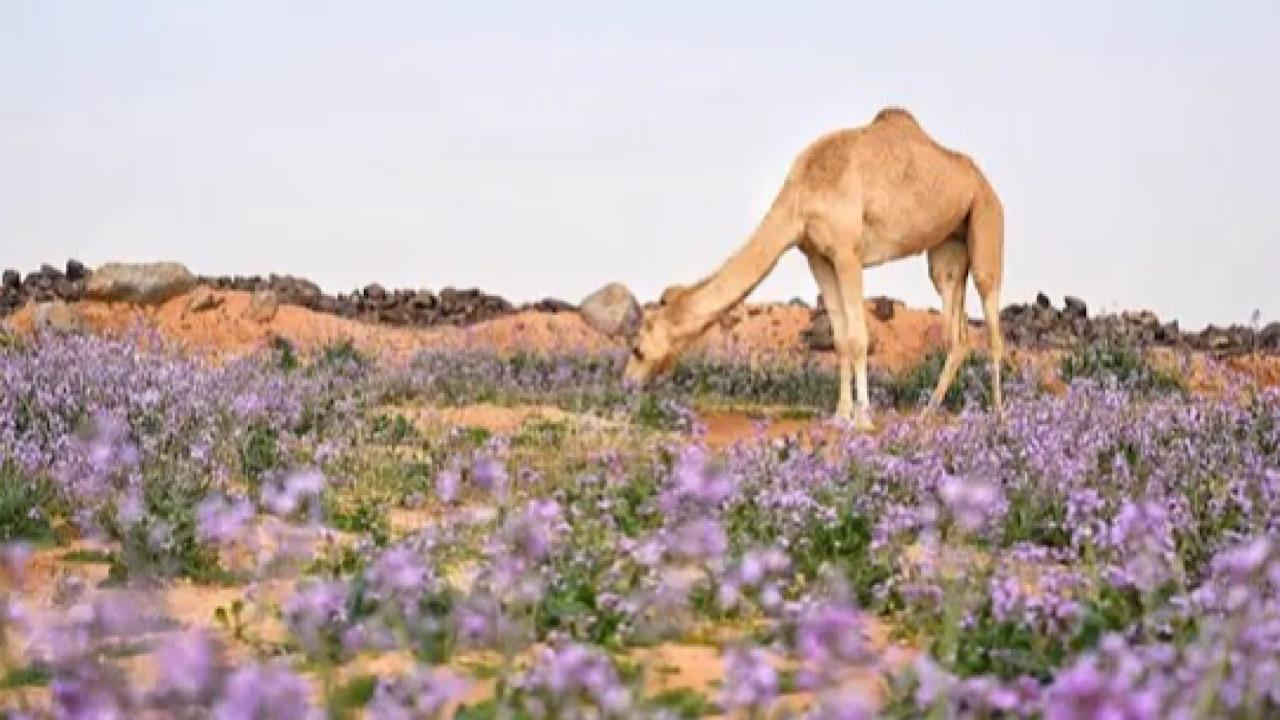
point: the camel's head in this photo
(654, 344)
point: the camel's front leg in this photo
(848, 267)
(825, 274)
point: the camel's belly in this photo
(877, 251)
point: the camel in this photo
(856, 198)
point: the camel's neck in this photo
(738, 276)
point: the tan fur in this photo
(857, 198)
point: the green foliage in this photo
(685, 703)
(651, 411)
(163, 541)
(86, 556)
(362, 516)
(260, 452)
(34, 675)
(1036, 518)
(1109, 361)
(342, 355)
(844, 545)
(393, 430)
(286, 358)
(25, 504)
(345, 700)
(544, 434)
(913, 387)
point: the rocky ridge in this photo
(372, 303)
(1039, 324)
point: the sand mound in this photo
(751, 331)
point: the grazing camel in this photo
(857, 198)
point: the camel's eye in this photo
(635, 353)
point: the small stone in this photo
(882, 308)
(1043, 301)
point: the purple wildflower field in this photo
(279, 537)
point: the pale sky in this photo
(544, 148)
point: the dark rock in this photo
(1269, 337)
(76, 270)
(1075, 307)
(11, 280)
(1043, 301)
(374, 291)
(883, 308)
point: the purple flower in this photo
(830, 635)
(448, 482)
(398, 571)
(297, 488)
(750, 680)
(563, 674)
(971, 502)
(187, 664)
(423, 694)
(699, 540)
(1086, 691)
(92, 691)
(265, 692)
(1242, 562)
(316, 614)
(219, 521)
(490, 475)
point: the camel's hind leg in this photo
(949, 269)
(986, 257)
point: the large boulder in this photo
(142, 283)
(612, 310)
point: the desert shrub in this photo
(1112, 362)
(286, 357)
(912, 387)
(260, 451)
(342, 355)
(26, 502)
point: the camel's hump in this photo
(895, 114)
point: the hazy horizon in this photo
(543, 151)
